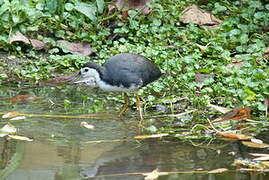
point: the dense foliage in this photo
(181, 50)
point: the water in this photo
(61, 149)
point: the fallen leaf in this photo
(19, 37)
(195, 15)
(8, 128)
(234, 136)
(219, 170)
(265, 163)
(23, 98)
(235, 114)
(23, 138)
(257, 141)
(86, 125)
(154, 174)
(38, 45)
(261, 157)
(199, 78)
(239, 64)
(82, 48)
(239, 163)
(219, 108)
(17, 118)
(236, 63)
(255, 145)
(11, 114)
(151, 136)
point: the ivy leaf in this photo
(52, 6)
(100, 5)
(87, 9)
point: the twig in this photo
(212, 126)
(174, 115)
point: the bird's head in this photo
(89, 75)
(90, 69)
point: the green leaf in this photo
(87, 9)
(151, 129)
(52, 5)
(69, 6)
(250, 94)
(3, 8)
(100, 5)
(16, 19)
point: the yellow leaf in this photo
(255, 145)
(153, 175)
(23, 138)
(11, 114)
(219, 170)
(151, 136)
(265, 163)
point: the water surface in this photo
(61, 149)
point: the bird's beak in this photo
(84, 81)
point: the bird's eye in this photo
(86, 70)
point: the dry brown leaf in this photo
(219, 108)
(11, 115)
(82, 48)
(151, 136)
(255, 145)
(195, 15)
(19, 37)
(199, 78)
(219, 170)
(234, 136)
(38, 45)
(235, 114)
(22, 138)
(86, 125)
(23, 98)
(154, 174)
(236, 63)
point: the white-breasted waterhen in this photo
(125, 72)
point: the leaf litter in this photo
(195, 15)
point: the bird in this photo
(124, 72)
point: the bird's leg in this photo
(125, 106)
(139, 108)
